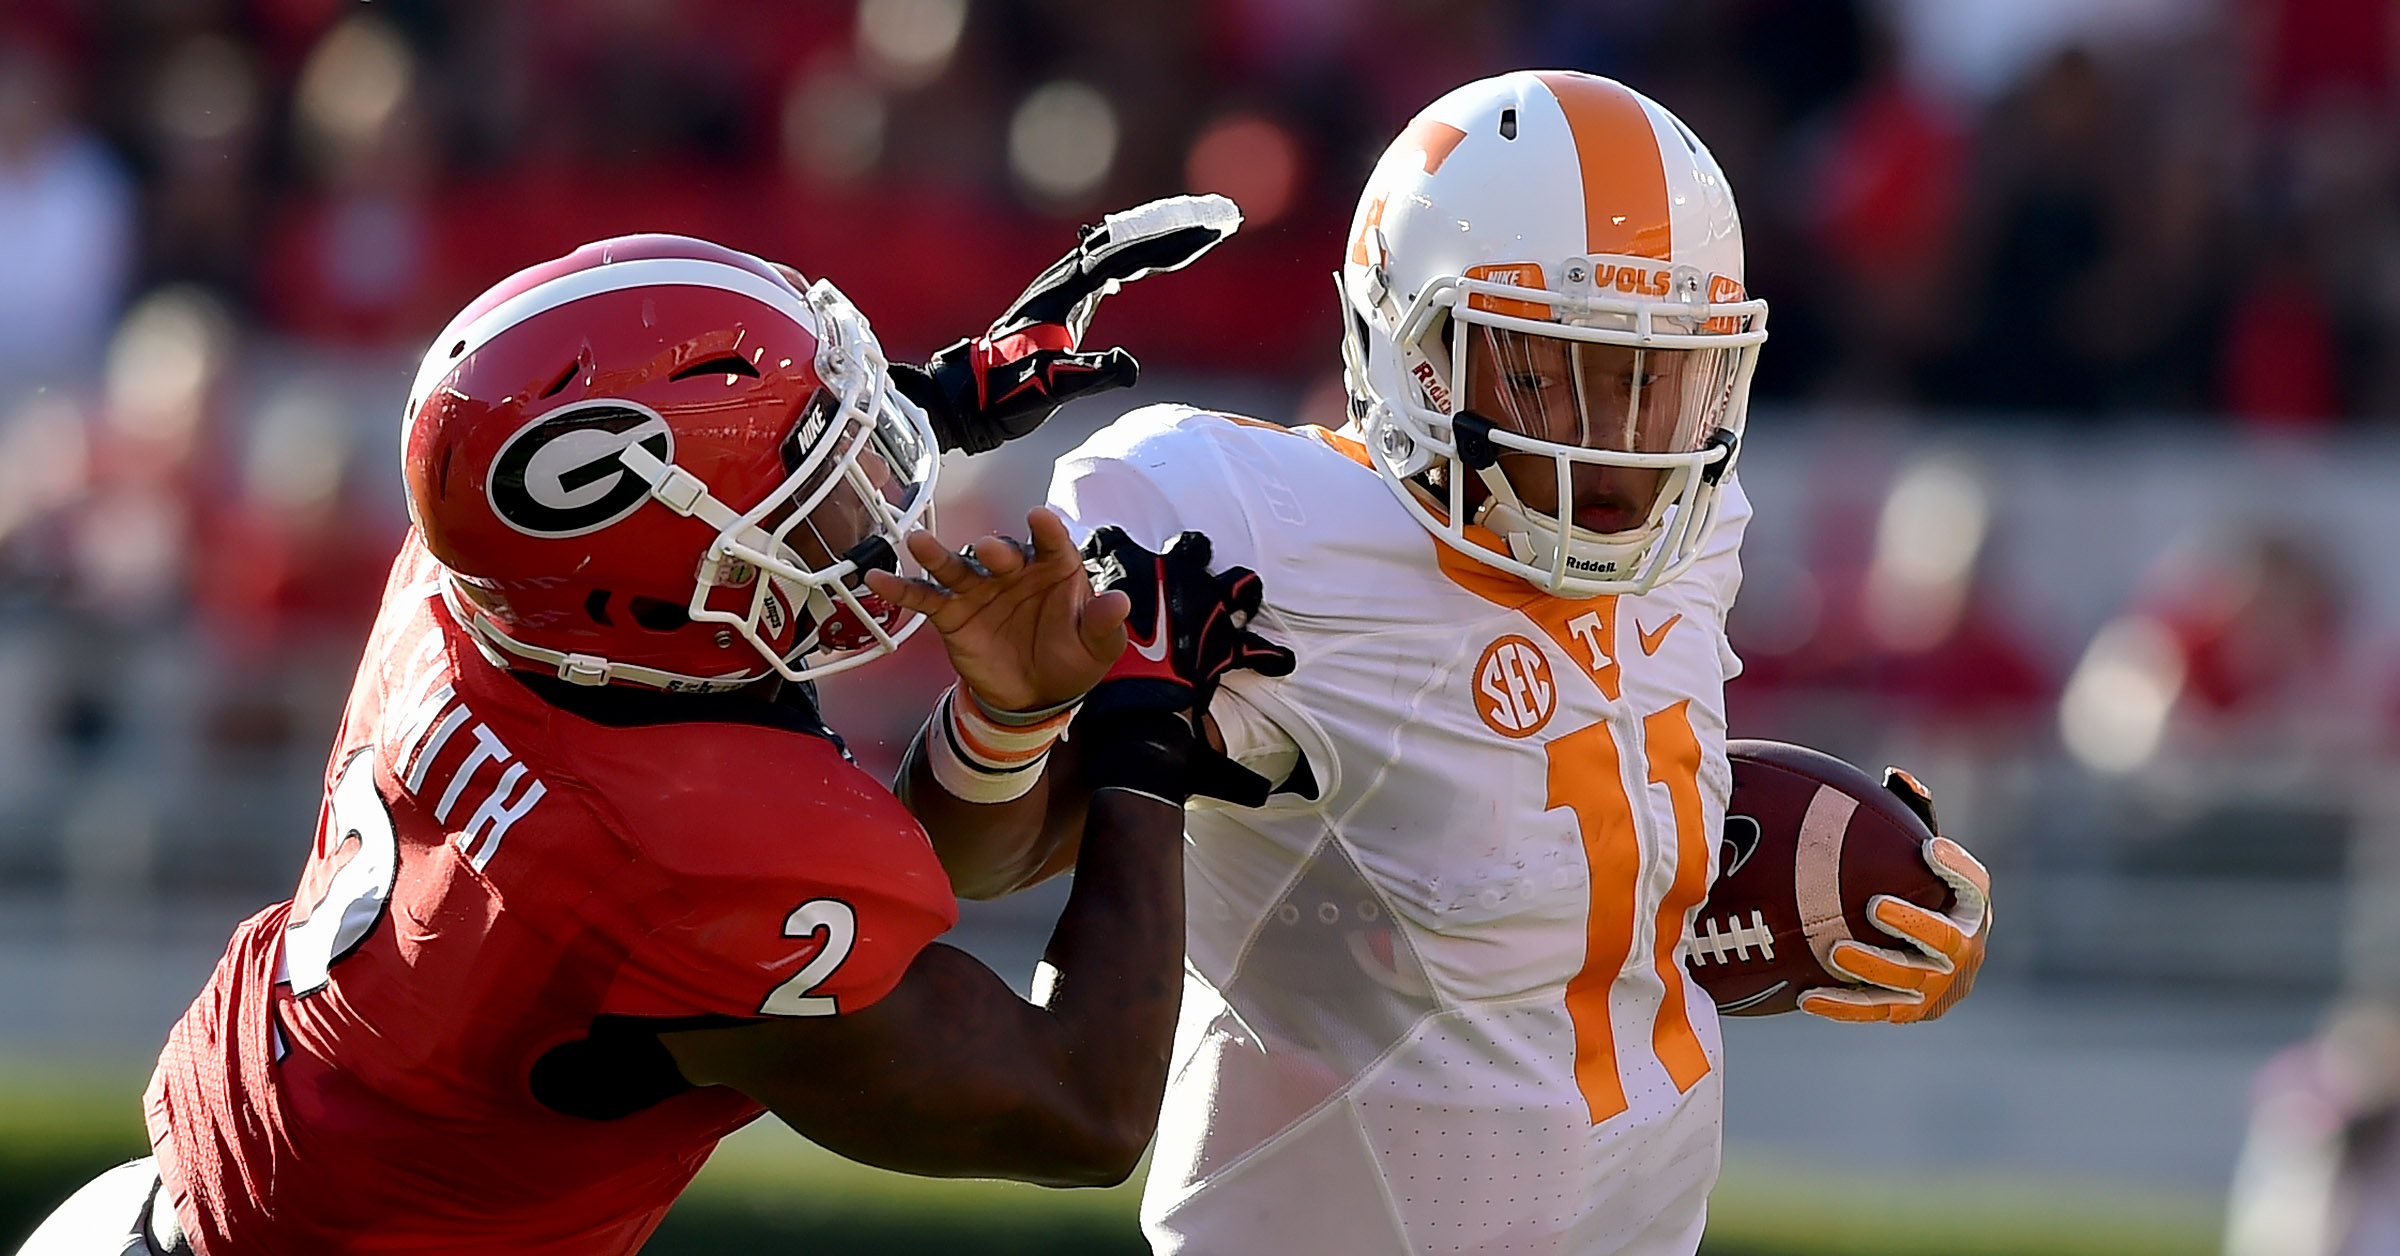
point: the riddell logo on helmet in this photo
(1436, 392)
(1602, 567)
(560, 475)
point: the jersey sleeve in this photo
(774, 946)
(1156, 472)
(1165, 469)
(808, 900)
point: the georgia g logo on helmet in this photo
(560, 475)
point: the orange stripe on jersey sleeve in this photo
(1349, 446)
(1674, 754)
(1625, 208)
(1586, 776)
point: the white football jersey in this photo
(1440, 1006)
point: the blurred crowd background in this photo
(2074, 448)
(2179, 206)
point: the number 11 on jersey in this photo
(1586, 776)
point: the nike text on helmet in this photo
(1545, 273)
(655, 461)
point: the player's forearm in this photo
(1114, 966)
(992, 849)
(1068, 1094)
(953, 1075)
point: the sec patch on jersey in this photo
(1808, 841)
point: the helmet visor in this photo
(1615, 398)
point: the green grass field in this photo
(61, 1124)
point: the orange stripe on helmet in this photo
(1625, 207)
(1432, 142)
(1432, 139)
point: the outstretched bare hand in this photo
(1023, 628)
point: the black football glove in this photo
(1187, 630)
(1001, 385)
(1914, 796)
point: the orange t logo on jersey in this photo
(1513, 690)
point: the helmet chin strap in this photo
(686, 494)
(1536, 538)
(806, 600)
(502, 650)
(1545, 540)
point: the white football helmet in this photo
(1546, 268)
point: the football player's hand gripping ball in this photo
(1186, 628)
(1001, 385)
(1024, 629)
(1946, 948)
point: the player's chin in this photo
(1614, 499)
(1609, 517)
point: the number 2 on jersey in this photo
(363, 855)
(840, 924)
(1587, 777)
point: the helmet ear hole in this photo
(656, 614)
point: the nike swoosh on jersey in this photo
(1155, 649)
(1652, 637)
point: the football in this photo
(1808, 841)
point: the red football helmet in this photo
(655, 461)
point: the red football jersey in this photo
(495, 880)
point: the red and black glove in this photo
(1001, 385)
(1189, 627)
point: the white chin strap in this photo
(1577, 562)
(578, 669)
(1533, 539)
(687, 495)
(1536, 538)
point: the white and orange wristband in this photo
(984, 755)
